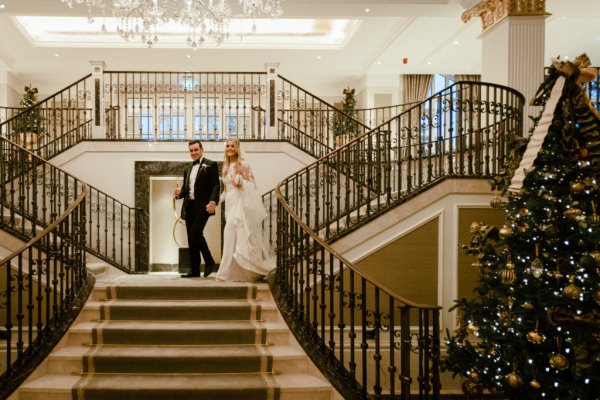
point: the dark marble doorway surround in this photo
(144, 170)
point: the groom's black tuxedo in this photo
(193, 211)
(206, 187)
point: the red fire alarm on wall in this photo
(405, 60)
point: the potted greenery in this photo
(345, 128)
(29, 125)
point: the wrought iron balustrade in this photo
(373, 117)
(462, 131)
(44, 282)
(8, 112)
(208, 106)
(369, 341)
(313, 116)
(55, 123)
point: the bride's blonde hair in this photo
(231, 160)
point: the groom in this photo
(200, 194)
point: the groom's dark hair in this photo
(192, 142)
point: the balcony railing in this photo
(165, 106)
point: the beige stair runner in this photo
(151, 337)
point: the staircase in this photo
(157, 337)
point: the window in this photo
(237, 116)
(140, 119)
(171, 118)
(206, 117)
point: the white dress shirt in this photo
(193, 175)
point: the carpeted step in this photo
(207, 291)
(182, 310)
(285, 359)
(178, 339)
(178, 333)
(177, 359)
(176, 386)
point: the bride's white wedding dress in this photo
(246, 255)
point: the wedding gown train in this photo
(246, 255)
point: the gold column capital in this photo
(493, 11)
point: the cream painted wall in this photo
(443, 202)
(109, 166)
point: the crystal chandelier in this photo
(206, 21)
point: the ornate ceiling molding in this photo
(493, 11)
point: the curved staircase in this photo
(150, 337)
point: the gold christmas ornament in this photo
(505, 232)
(594, 219)
(472, 328)
(581, 153)
(507, 275)
(557, 274)
(572, 212)
(559, 362)
(523, 227)
(472, 388)
(537, 268)
(572, 291)
(537, 265)
(523, 212)
(496, 202)
(596, 255)
(514, 380)
(475, 375)
(535, 337)
(534, 384)
(527, 306)
(510, 301)
(577, 187)
(507, 319)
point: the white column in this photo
(98, 109)
(271, 123)
(513, 55)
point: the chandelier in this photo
(205, 21)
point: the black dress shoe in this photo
(208, 270)
(190, 275)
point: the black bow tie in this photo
(195, 162)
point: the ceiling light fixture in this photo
(206, 21)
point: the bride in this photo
(245, 254)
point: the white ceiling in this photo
(428, 33)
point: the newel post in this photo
(98, 109)
(271, 121)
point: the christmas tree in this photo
(30, 121)
(343, 125)
(533, 330)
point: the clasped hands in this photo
(211, 207)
